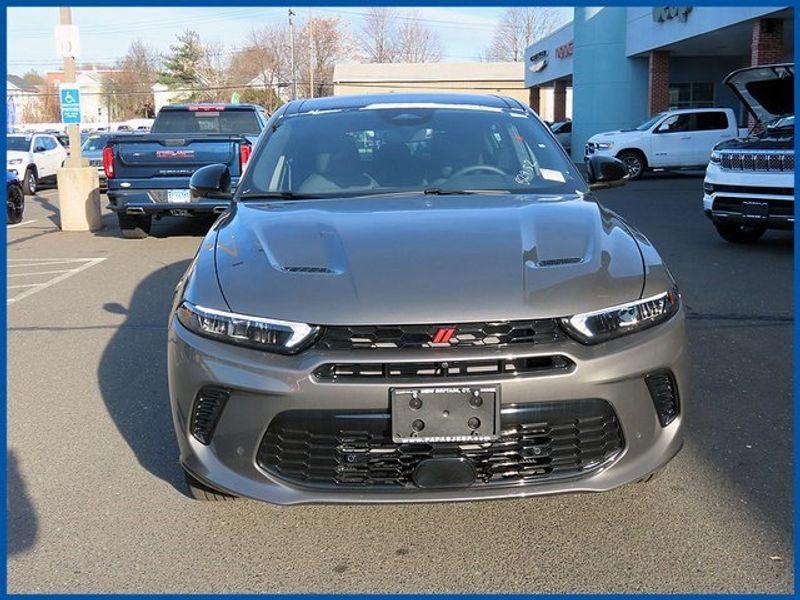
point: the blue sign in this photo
(70, 97)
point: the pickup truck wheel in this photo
(135, 227)
(30, 183)
(739, 234)
(635, 162)
(200, 491)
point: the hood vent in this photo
(554, 262)
(315, 270)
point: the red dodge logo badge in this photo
(443, 335)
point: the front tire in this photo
(31, 182)
(200, 491)
(135, 227)
(739, 234)
(635, 162)
(15, 205)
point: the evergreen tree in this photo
(181, 67)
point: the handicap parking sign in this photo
(70, 96)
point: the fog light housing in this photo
(206, 411)
(664, 393)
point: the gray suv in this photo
(418, 298)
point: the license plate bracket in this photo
(755, 210)
(179, 196)
(446, 413)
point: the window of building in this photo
(691, 95)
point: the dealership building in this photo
(613, 67)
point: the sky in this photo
(106, 33)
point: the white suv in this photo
(749, 184)
(678, 139)
(34, 157)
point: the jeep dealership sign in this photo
(668, 13)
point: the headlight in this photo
(602, 325)
(271, 335)
(15, 161)
(716, 157)
(604, 145)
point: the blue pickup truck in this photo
(148, 175)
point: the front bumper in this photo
(263, 385)
(726, 195)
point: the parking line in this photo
(40, 273)
(38, 287)
(20, 224)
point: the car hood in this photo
(12, 154)
(767, 90)
(423, 259)
(618, 135)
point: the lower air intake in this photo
(206, 411)
(664, 392)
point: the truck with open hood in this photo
(749, 182)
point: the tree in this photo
(264, 63)
(416, 42)
(518, 28)
(182, 66)
(34, 78)
(388, 35)
(129, 85)
(378, 35)
(331, 42)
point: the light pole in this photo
(291, 52)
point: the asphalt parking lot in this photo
(97, 501)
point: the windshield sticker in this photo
(551, 175)
(526, 173)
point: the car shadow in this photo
(22, 523)
(132, 374)
(163, 228)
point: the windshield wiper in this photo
(273, 195)
(436, 191)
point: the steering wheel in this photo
(474, 168)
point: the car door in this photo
(54, 152)
(672, 141)
(40, 157)
(711, 128)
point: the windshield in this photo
(649, 123)
(409, 148)
(18, 143)
(95, 143)
(207, 121)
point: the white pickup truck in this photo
(677, 139)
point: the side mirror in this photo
(211, 181)
(605, 172)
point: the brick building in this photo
(621, 65)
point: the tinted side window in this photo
(712, 120)
(50, 143)
(675, 123)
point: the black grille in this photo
(748, 189)
(206, 410)
(777, 208)
(539, 442)
(503, 367)
(758, 161)
(425, 336)
(664, 392)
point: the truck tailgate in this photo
(152, 156)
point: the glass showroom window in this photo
(691, 95)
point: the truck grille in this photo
(758, 161)
(425, 336)
(539, 442)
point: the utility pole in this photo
(310, 54)
(291, 52)
(73, 131)
(78, 184)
